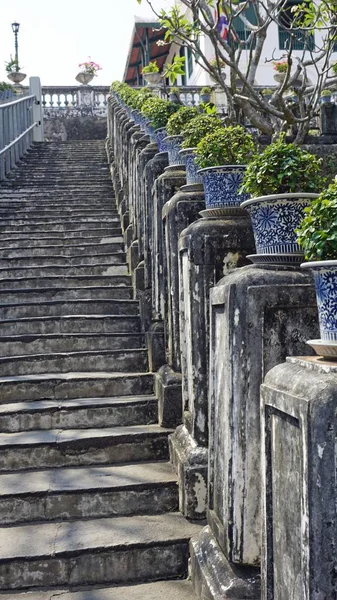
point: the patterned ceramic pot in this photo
(325, 276)
(161, 134)
(192, 175)
(274, 220)
(173, 145)
(221, 185)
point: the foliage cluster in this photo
(158, 111)
(198, 127)
(4, 86)
(179, 120)
(12, 65)
(227, 146)
(90, 67)
(152, 67)
(317, 234)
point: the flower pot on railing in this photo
(192, 168)
(173, 145)
(161, 134)
(16, 76)
(152, 78)
(205, 98)
(325, 276)
(221, 185)
(274, 220)
(84, 78)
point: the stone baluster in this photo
(299, 431)
(259, 315)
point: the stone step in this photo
(46, 294)
(31, 212)
(66, 221)
(19, 345)
(134, 359)
(71, 324)
(55, 308)
(67, 236)
(81, 413)
(87, 492)
(62, 271)
(60, 226)
(69, 386)
(116, 550)
(75, 447)
(60, 241)
(170, 590)
(26, 260)
(111, 281)
(61, 250)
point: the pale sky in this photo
(55, 37)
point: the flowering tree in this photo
(235, 27)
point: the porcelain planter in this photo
(161, 134)
(222, 184)
(173, 144)
(84, 78)
(325, 100)
(325, 276)
(274, 220)
(205, 98)
(16, 76)
(152, 78)
(192, 175)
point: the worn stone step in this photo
(52, 308)
(67, 236)
(80, 413)
(134, 359)
(27, 260)
(46, 294)
(69, 386)
(108, 550)
(87, 492)
(48, 227)
(60, 270)
(67, 251)
(70, 324)
(170, 590)
(62, 282)
(73, 447)
(19, 345)
(65, 222)
(14, 244)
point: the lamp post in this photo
(15, 28)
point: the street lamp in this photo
(15, 28)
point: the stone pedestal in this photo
(328, 122)
(258, 317)
(298, 405)
(208, 249)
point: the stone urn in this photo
(173, 145)
(325, 277)
(152, 78)
(16, 76)
(192, 168)
(84, 78)
(274, 220)
(222, 184)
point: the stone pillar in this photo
(259, 315)
(209, 249)
(299, 425)
(328, 122)
(181, 210)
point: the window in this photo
(300, 39)
(189, 61)
(239, 27)
(181, 54)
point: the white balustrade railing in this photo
(21, 124)
(56, 96)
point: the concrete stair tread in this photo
(41, 405)
(76, 479)
(74, 375)
(64, 270)
(66, 538)
(170, 590)
(68, 281)
(72, 436)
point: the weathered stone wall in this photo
(61, 124)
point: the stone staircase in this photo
(88, 501)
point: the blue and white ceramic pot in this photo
(161, 134)
(173, 145)
(192, 175)
(274, 220)
(325, 276)
(222, 184)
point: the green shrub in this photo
(283, 168)
(228, 146)
(4, 86)
(179, 120)
(317, 233)
(152, 67)
(198, 127)
(158, 111)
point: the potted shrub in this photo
(88, 72)
(325, 97)
(13, 70)
(174, 95)
(281, 181)
(317, 235)
(151, 73)
(157, 113)
(267, 93)
(193, 132)
(205, 94)
(174, 127)
(223, 156)
(280, 67)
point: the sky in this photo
(54, 37)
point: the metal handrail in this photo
(16, 101)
